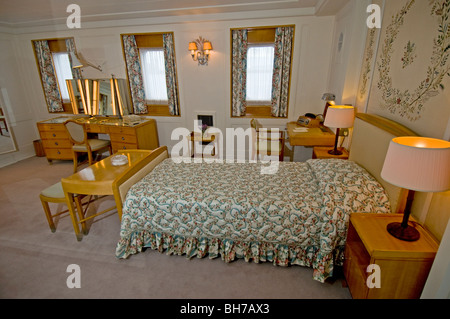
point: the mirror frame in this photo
(5, 109)
(89, 90)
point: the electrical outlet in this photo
(343, 132)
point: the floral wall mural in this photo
(411, 72)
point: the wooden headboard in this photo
(372, 135)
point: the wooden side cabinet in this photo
(403, 266)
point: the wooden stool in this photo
(55, 194)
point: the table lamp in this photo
(417, 164)
(339, 116)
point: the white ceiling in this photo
(26, 13)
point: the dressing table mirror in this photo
(104, 97)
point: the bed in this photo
(298, 216)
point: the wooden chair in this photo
(3, 120)
(55, 194)
(82, 144)
(264, 138)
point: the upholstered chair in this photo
(82, 144)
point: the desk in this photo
(202, 139)
(57, 145)
(313, 137)
(322, 153)
(98, 179)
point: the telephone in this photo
(310, 120)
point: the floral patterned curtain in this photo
(282, 69)
(70, 44)
(239, 72)
(134, 74)
(48, 76)
(171, 76)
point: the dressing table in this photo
(141, 134)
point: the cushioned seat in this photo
(55, 194)
(54, 191)
(95, 144)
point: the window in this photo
(154, 75)
(261, 71)
(54, 66)
(259, 74)
(63, 72)
(151, 72)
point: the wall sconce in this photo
(200, 50)
(79, 62)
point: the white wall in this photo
(201, 88)
(347, 55)
(19, 112)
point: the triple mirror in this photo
(99, 97)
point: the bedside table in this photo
(322, 153)
(403, 266)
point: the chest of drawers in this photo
(55, 141)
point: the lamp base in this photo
(407, 234)
(335, 152)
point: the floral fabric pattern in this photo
(171, 76)
(233, 211)
(48, 76)
(281, 70)
(239, 72)
(134, 74)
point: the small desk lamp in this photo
(417, 164)
(339, 116)
(329, 98)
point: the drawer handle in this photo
(123, 138)
(59, 152)
(54, 135)
(56, 143)
(124, 147)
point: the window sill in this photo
(158, 110)
(261, 112)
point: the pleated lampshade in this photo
(418, 163)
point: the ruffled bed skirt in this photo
(277, 253)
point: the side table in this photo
(403, 266)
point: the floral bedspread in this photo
(298, 216)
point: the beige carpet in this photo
(34, 261)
